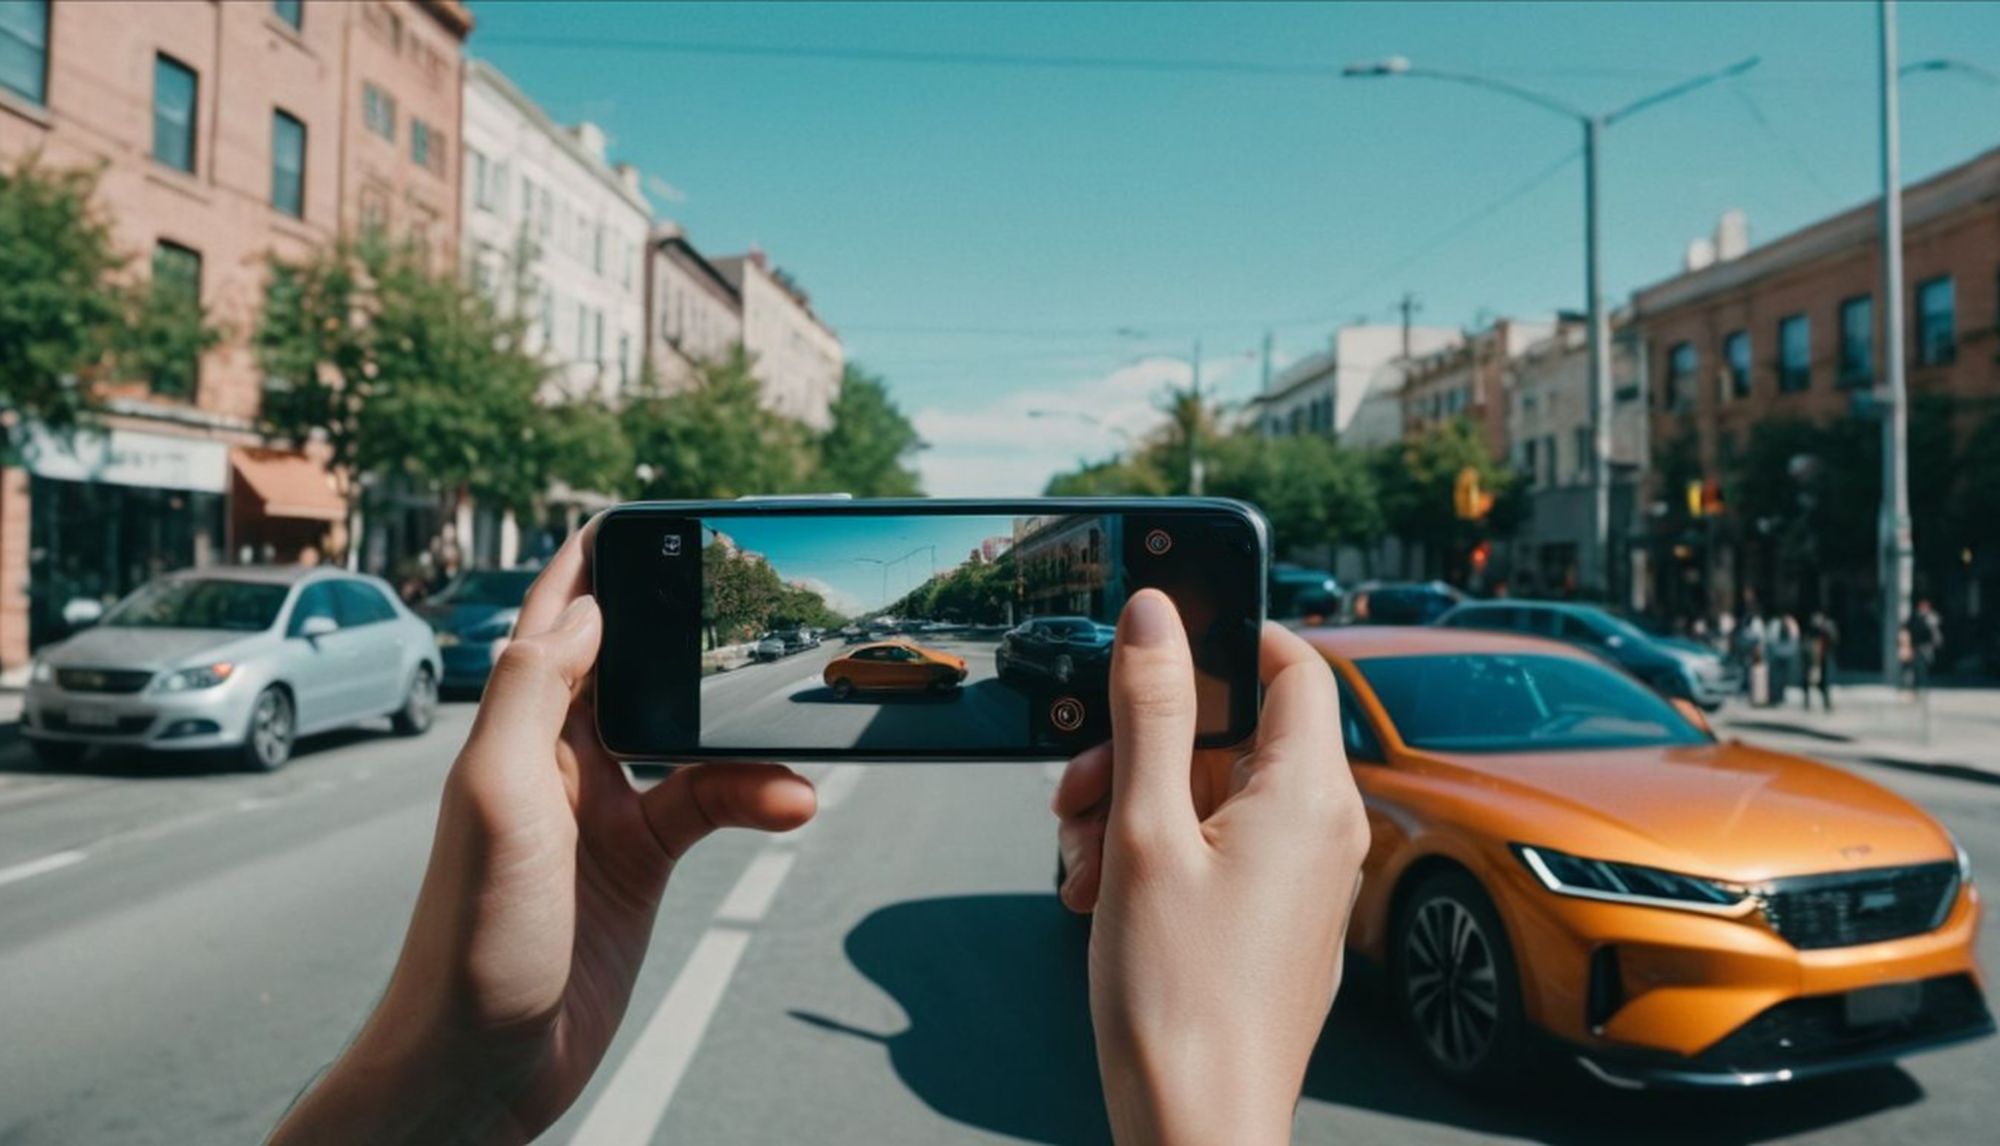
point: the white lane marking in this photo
(750, 900)
(34, 867)
(839, 784)
(635, 1100)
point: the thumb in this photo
(535, 680)
(1152, 720)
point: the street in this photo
(182, 951)
(786, 704)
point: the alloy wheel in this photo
(271, 729)
(1452, 983)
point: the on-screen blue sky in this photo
(982, 234)
(863, 558)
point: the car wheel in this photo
(843, 688)
(267, 744)
(419, 706)
(1065, 669)
(55, 754)
(1455, 981)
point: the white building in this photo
(798, 359)
(552, 229)
(1327, 393)
(697, 315)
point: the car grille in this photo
(103, 680)
(1797, 1032)
(124, 726)
(1850, 908)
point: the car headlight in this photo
(39, 672)
(496, 628)
(1964, 860)
(1630, 883)
(193, 679)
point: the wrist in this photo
(1194, 1092)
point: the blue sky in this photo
(997, 240)
(839, 556)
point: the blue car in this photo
(473, 616)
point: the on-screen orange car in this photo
(1562, 859)
(894, 666)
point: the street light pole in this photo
(1894, 532)
(1196, 471)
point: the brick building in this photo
(1468, 381)
(224, 132)
(1783, 343)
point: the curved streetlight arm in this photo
(1947, 64)
(1681, 89)
(1398, 66)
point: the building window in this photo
(1682, 362)
(476, 172)
(177, 286)
(598, 340)
(292, 12)
(624, 361)
(1736, 360)
(378, 111)
(582, 332)
(1794, 354)
(1531, 461)
(1937, 337)
(426, 146)
(545, 214)
(1583, 451)
(1857, 341)
(24, 49)
(288, 165)
(174, 97)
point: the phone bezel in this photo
(838, 505)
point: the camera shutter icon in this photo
(670, 545)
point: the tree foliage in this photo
(742, 596)
(1416, 480)
(1315, 494)
(716, 438)
(977, 592)
(70, 319)
(868, 448)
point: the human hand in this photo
(1221, 883)
(535, 913)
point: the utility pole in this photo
(1895, 555)
(1196, 471)
(1266, 388)
(1599, 569)
(1407, 306)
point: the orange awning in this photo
(289, 485)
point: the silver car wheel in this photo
(271, 729)
(420, 706)
(1452, 983)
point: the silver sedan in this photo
(244, 660)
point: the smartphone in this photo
(926, 629)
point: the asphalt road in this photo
(786, 704)
(181, 952)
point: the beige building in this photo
(224, 132)
(696, 315)
(798, 358)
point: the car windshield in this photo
(1492, 702)
(503, 587)
(238, 606)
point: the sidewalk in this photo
(1957, 728)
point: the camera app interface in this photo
(921, 634)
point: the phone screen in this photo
(920, 630)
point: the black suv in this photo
(1071, 651)
(1671, 668)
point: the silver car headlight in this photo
(1611, 882)
(1964, 860)
(40, 673)
(194, 679)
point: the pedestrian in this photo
(1750, 655)
(1783, 643)
(1926, 632)
(1822, 643)
(548, 869)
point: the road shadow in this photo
(1365, 1060)
(118, 763)
(996, 991)
(824, 695)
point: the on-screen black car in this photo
(1068, 651)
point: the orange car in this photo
(1563, 859)
(894, 666)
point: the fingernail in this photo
(1150, 619)
(574, 613)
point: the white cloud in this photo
(1011, 444)
(839, 600)
(664, 191)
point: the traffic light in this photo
(1468, 500)
(1704, 497)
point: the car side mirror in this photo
(82, 612)
(1694, 714)
(318, 625)
(1614, 641)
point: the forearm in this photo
(1175, 1093)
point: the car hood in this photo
(123, 647)
(1724, 810)
(461, 618)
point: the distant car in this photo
(1672, 669)
(769, 647)
(1299, 593)
(796, 640)
(894, 666)
(1070, 651)
(245, 660)
(473, 617)
(1398, 602)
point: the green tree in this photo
(69, 320)
(716, 438)
(868, 448)
(1316, 495)
(1417, 479)
(1123, 475)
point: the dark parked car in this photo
(1671, 668)
(473, 616)
(1398, 602)
(1070, 651)
(1297, 592)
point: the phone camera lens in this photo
(1158, 542)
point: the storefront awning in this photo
(289, 485)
